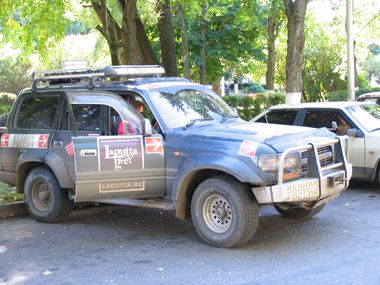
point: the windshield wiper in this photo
(193, 121)
(229, 117)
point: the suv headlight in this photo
(291, 165)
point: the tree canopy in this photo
(203, 40)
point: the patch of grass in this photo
(8, 194)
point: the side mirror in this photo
(147, 127)
(352, 132)
(334, 126)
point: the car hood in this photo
(279, 137)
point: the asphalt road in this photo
(125, 245)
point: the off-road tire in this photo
(294, 212)
(43, 197)
(224, 212)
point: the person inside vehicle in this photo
(138, 106)
(343, 126)
(121, 127)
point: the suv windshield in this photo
(367, 115)
(188, 106)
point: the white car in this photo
(360, 121)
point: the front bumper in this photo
(321, 185)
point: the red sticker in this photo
(42, 141)
(153, 145)
(70, 149)
(248, 148)
(5, 140)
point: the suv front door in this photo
(109, 166)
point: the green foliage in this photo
(322, 55)
(366, 90)
(248, 107)
(8, 194)
(342, 95)
(14, 74)
(338, 95)
(232, 37)
(6, 101)
(254, 88)
(34, 26)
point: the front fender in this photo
(183, 186)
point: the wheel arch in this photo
(189, 183)
(375, 174)
(52, 161)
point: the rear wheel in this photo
(44, 199)
(297, 212)
(224, 212)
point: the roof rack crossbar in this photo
(91, 73)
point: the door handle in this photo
(88, 152)
(58, 143)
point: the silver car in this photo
(360, 121)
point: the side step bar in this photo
(155, 204)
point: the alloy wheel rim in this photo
(217, 213)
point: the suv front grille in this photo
(325, 156)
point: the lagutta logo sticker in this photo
(118, 154)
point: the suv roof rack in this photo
(71, 76)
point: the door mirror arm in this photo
(147, 127)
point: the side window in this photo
(120, 127)
(324, 118)
(87, 118)
(284, 117)
(141, 107)
(317, 119)
(37, 112)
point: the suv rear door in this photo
(32, 126)
(108, 166)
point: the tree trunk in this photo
(184, 41)
(356, 68)
(295, 11)
(202, 49)
(129, 43)
(144, 44)
(129, 39)
(165, 29)
(271, 42)
(110, 30)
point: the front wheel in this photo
(224, 212)
(297, 212)
(44, 199)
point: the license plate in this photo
(303, 190)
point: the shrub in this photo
(338, 95)
(250, 106)
(342, 95)
(6, 101)
(254, 88)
